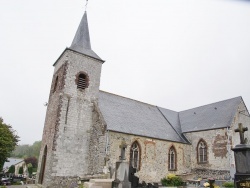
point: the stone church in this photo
(84, 128)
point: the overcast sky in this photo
(176, 54)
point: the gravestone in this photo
(122, 170)
(242, 160)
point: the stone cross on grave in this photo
(241, 131)
(123, 146)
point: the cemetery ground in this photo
(195, 184)
(170, 180)
(21, 186)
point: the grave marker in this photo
(242, 160)
(122, 170)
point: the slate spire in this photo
(81, 42)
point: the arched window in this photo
(202, 151)
(43, 164)
(172, 158)
(82, 81)
(135, 155)
(55, 85)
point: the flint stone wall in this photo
(64, 182)
(52, 120)
(154, 156)
(75, 134)
(216, 174)
(73, 131)
(220, 142)
(217, 150)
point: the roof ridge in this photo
(168, 109)
(16, 158)
(171, 124)
(182, 133)
(127, 98)
(210, 104)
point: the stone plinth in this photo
(242, 158)
(242, 163)
(122, 175)
(99, 183)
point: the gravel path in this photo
(21, 186)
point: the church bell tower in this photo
(66, 143)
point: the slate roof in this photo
(81, 42)
(12, 161)
(173, 118)
(133, 117)
(211, 116)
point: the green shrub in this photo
(30, 169)
(16, 183)
(81, 186)
(11, 169)
(228, 184)
(20, 171)
(171, 180)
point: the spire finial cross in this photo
(86, 5)
(241, 131)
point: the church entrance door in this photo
(41, 176)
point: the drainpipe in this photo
(107, 143)
(229, 148)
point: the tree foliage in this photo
(31, 160)
(20, 171)
(11, 169)
(30, 169)
(25, 151)
(8, 142)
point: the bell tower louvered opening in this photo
(82, 81)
